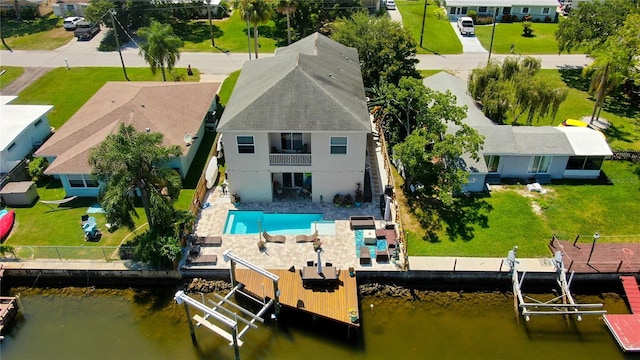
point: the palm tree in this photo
(160, 47)
(287, 7)
(130, 163)
(256, 12)
(607, 71)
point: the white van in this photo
(465, 25)
(71, 23)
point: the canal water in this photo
(87, 323)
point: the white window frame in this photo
(251, 145)
(338, 145)
(290, 143)
(80, 181)
(490, 159)
(545, 11)
(539, 164)
(482, 7)
(525, 10)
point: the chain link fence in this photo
(26, 252)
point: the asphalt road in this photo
(84, 53)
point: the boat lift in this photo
(566, 307)
(228, 317)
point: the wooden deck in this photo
(606, 257)
(334, 304)
(624, 327)
(8, 310)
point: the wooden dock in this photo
(626, 327)
(605, 257)
(335, 304)
(8, 310)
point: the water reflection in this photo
(79, 323)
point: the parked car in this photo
(465, 26)
(86, 30)
(71, 23)
(390, 5)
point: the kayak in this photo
(6, 224)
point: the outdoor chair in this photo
(274, 238)
(365, 256)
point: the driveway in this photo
(470, 44)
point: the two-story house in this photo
(297, 121)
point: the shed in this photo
(19, 193)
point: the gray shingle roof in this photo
(314, 84)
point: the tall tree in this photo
(590, 25)
(129, 163)
(287, 7)
(387, 51)
(256, 12)
(160, 47)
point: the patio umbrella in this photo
(319, 262)
(387, 208)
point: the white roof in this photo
(14, 119)
(502, 3)
(586, 142)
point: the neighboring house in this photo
(22, 127)
(530, 153)
(6, 5)
(538, 9)
(176, 110)
(298, 119)
(70, 8)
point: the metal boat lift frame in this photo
(567, 307)
(224, 316)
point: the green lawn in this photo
(40, 34)
(10, 73)
(624, 132)
(230, 34)
(439, 36)
(227, 86)
(567, 210)
(543, 40)
(60, 88)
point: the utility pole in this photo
(115, 30)
(424, 16)
(248, 38)
(493, 32)
(213, 42)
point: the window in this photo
(492, 162)
(453, 10)
(506, 11)
(464, 10)
(37, 123)
(82, 181)
(482, 9)
(291, 141)
(338, 144)
(525, 10)
(584, 163)
(545, 10)
(539, 164)
(245, 144)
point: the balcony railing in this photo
(290, 159)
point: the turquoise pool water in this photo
(380, 244)
(246, 222)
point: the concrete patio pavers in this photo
(338, 249)
(435, 263)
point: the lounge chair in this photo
(391, 236)
(274, 238)
(202, 259)
(307, 238)
(365, 256)
(208, 241)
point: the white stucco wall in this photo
(23, 144)
(250, 175)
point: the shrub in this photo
(474, 15)
(37, 166)
(506, 18)
(547, 19)
(527, 17)
(514, 18)
(484, 20)
(527, 30)
(160, 251)
(176, 75)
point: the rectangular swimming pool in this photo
(246, 222)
